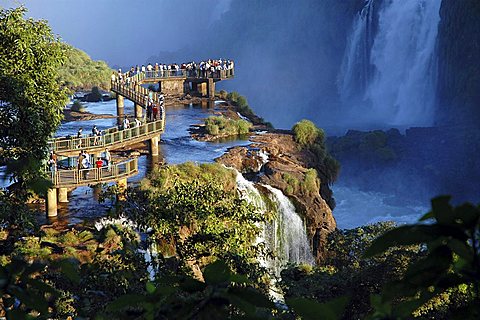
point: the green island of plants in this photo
(222, 126)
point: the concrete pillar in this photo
(211, 89)
(62, 195)
(120, 108)
(154, 145)
(202, 88)
(194, 87)
(160, 86)
(122, 188)
(51, 203)
(138, 111)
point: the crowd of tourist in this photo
(220, 68)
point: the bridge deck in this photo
(112, 138)
(75, 178)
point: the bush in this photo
(306, 133)
(78, 107)
(223, 94)
(95, 95)
(220, 125)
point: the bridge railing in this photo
(108, 138)
(134, 92)
(75, 177)
(185, 73)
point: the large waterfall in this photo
(389, 66)
(286, 234)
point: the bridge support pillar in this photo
(211, 89)
(51, 203)
(194, 87)
(154, 146)
(120, 108)
(122, 188)
(138, 111)
(62, 195)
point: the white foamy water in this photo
(390, 65)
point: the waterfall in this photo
(285, 235)
(389, 64)
(289, 234)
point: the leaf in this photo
(404, 235)
(462, 249)
(309, 309)
(128, 300)
(216, 273)
(442, 210)
(69, 269)
(150, 287)
(252, 296)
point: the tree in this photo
(31, 99)
(450, 266)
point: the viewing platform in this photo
(112, 138)
(71, 178)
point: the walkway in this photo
(112, 138)
(75, 178)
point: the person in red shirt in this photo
(99, 163)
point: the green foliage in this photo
(306, 133)
(312, 139)
(196, 215)
(30, 56)
(223, 126)
(95, 95)
(78, 107)
(451, 262)
(188, 172)
(309, 185)
(223, 94)
(345, 273)
(16, 218)
(80, 72)
(223, 294)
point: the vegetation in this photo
(95, 95)
(78, 106)
(220, 125)
(80, 72)
(241, 106)
(31, 98)
(309, 185)
(312, 139)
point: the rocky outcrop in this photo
(286, 169)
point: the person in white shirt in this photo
(126, 123)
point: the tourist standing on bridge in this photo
(155, 111)
(113, 77)
(52, 162)
(96, 135)
(99, 163)
(126, 123)
(149, 112)
(107, 158)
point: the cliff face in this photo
(458, 62)
(287, 169)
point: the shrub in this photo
(310, 183)
(306, 133)
(95, 95)
(78, 107)
(233, 96)
(220, 125)
(223, 94)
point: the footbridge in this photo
(127, 86)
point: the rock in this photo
(285, 157)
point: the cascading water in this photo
(286, 235)
(289, 234)
(389, 64)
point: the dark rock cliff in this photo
(459, 63)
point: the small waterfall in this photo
(285, 236)
(389, 64)
(288, 231)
